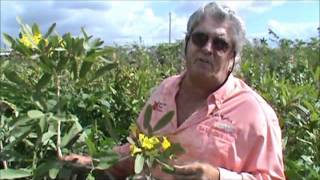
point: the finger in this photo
(85, 160)
(187, 177)
(191, 169)
(69, 158)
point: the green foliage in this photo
(72, 94)
(41, 82)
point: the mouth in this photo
(204, 60)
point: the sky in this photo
(147, 22)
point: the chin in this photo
(202, 74)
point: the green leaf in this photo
(96, 43)
(44, 168)
(19, 20)
(49, 31)
(48, 63)
(85, 68)
(8, 108)
(167, 168)
(74, 69)
(14, 173)
(62, 64)
(90, 177)
(43, 81)
(12, 155)
(71, 134)
(35, 29)
(35, 114)
(176, 148)
(8, 40)
(47, 136)
(91, 147)
(147, 119)
(20, 47)
(14, 77)
(302, 109)
(20, 132)
(105, 159)
(42, 125)
(53, 173)
(65, 173)
(102, 70)
(150, 161)
(84, 33)
(138, 163)
(164, 121)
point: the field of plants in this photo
(62, 94)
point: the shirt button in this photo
(218, 102)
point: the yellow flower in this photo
(165, 143)
(62, 42)
(25, 40)
(154, 140)
(141, 137)
(35, 39)
(148, 143)
(134, 149)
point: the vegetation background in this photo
(65, 94)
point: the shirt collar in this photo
(217, 97)
(223, 92)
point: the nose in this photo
(208, 47)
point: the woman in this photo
(227, 130)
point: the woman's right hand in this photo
(78, 159)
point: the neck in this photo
(200, 88)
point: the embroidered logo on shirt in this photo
(226, 127)
(158, 106)
(220, 127)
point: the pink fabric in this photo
(236, 131)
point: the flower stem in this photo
(4, 163)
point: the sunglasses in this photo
(200, 39)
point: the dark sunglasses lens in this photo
(199, 39)
(220, 44)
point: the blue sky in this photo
(125, 21)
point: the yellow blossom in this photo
(35, 39)
(134, 149)
(62, 42)
(165, 143)
(148, 143)
(141, 137)
(25, 40)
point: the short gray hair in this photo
(221, 14)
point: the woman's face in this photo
(210, 53)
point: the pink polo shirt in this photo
(236, 131)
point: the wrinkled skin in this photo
(196, 171)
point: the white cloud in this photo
(293, 30)
(123, 21)
(252, 5)
(133, 19)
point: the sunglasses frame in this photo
(215, 41)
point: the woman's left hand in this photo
(196, 171)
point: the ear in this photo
(231, 63)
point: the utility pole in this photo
(169, 27)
